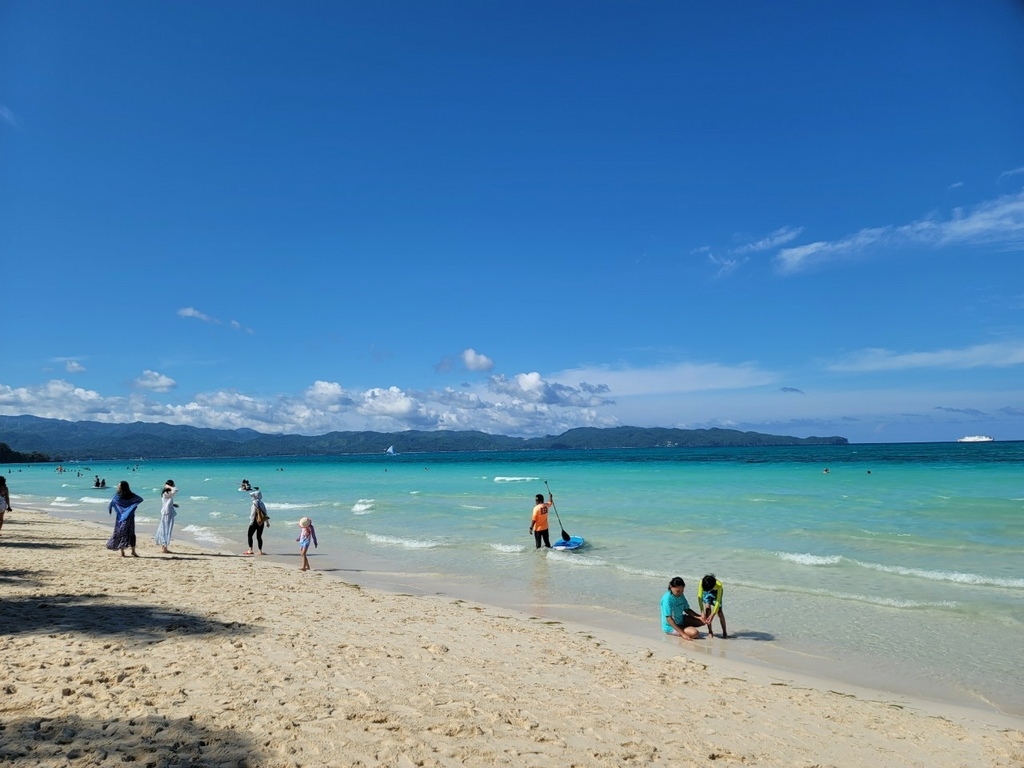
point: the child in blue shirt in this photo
(677, 618)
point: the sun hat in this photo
(304, 522)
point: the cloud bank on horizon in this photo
(457, 218)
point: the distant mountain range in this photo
(83, 440)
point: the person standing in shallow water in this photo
(258, 518)
(125, 502)
(167, 515)
(539, 521)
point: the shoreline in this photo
(215, 657)
(764, 659)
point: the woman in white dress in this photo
(167, 514)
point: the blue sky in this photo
(799, 218)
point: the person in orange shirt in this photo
(539, 521)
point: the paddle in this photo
(565, 535)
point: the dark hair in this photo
(540, 498)
(124, 490)
(708, 582)
(677, 581)
(170, 483)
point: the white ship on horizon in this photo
(975, 439)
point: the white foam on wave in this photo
(575, 558)
(201, 533)
(502, 479)
(808, 559)
(91, 500)
(63, 503)
(887, 602)
(641, 572)
(198, 498)
(510, 548)
(284, 505)
(471, 506)
(363, 506)
(955, 577)
(407, 543)
(215, 514)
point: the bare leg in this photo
(721, 618)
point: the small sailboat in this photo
(390, 451)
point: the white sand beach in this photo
(214, 659)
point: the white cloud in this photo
(676, 378)
(73, 366)
(998, 222)
(195, 313)
(724, 267)
(774, 240)
(999, 355)
(1014, 172)
(474, 361)
(154, 381)
(7, 116)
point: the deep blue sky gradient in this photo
(298, 217)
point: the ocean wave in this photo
(955, 577)
(407, 543)
(200, 533)
(363, 506)
(285, 505)
(65, 503)
(575, 558)
(511, 548)
(88, 500)
(879, 600)
(642, 572)
(502, 479)
(808, 559)
(198, 498)
(471, 506)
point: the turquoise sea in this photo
(900, 569)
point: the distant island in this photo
(38, 439)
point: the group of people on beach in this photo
(126, 502)
(260, 519)
(679, 619)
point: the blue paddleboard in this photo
(573, 542)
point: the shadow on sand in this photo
(152, 741)
(752, 635)
(95, 615)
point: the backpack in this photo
(261, 514)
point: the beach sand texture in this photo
(213, 659)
